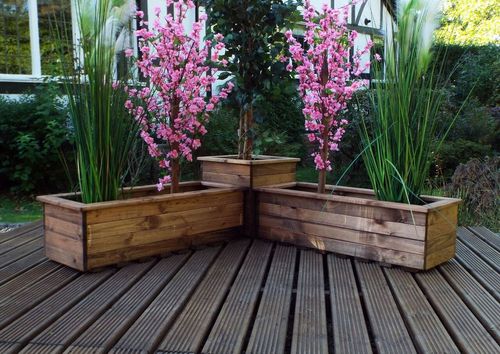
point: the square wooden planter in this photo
(144, 223)
(351, 221)
(261, 171)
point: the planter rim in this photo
(258, 159)
(60, 199)
(435, 203)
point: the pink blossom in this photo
(327, 77)
(129, 52)
(176, 65)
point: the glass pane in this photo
(15, 52)
(55, 28)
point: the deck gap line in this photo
(97, 314)
(22, 230)
(328, 306)
(476, 276)
(439, 314)
(224, 297)
(175, 315)
(23, 242)
(293, 300)
(471, 247)
(23, 270)
(24, 255)
(145, 305)
(364, 307)
(476, 232)
(39, 300)
(259, 298)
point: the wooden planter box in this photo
(144, 223)
(351, 221)
(261, 171)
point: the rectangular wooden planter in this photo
(261, 171)
(351, 221)
(144, 223)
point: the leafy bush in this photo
(34, 135)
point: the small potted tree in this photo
(392, 223)
(90, 229)
(254, 41)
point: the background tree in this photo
(254, 39)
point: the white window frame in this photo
(36, 60)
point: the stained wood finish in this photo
(351, 222)
(251, 296)
(89, 236)
(260, 171)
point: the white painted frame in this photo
(36, 60)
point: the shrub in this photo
(477, 183)
(34, 135)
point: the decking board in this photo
(487, 236)
(67, 327)
(481, 248)
(151, 326)
(229, 330)
(108, 328)
(468, 333)
(270, 325)
(482, 271)
(309, 327)
(350, 334)
(246, 296)
(194, 322)
(389, 330)
(479, 301)
(427, 331)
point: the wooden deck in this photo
(249, 297)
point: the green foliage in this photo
(34, 135)
(401, 137)
(254, 39)
(14, 209)
(466, 22)
(104, 130)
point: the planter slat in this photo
(145, 223)
(351, 222)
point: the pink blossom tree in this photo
(327, 78)
(173, 108)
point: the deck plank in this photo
(37, 319)
(194, 322)
(21, 251)
(14, 306)
(309, 327)
(21, 265)
(66, 328)
(108, 328)
(16, 242)
(487, 236)
(350, 334)
(145, 333)
(27, 278)
(389, 330)
(21, 231)
(479, 300)
(463, 326)
(427, 331)
(482, 271)
(270, 326)
(229, 331)
(481, 248)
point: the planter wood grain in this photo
(144, 223)
(351, 221)
(261, 171)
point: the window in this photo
(27, 40)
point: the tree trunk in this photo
(324, 157)
(247, 154)
(175, 163)
(241, 133)
(176, 175)
(321, 181)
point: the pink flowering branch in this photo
(327, 78)
(174, 108)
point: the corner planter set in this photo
(259, 197)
